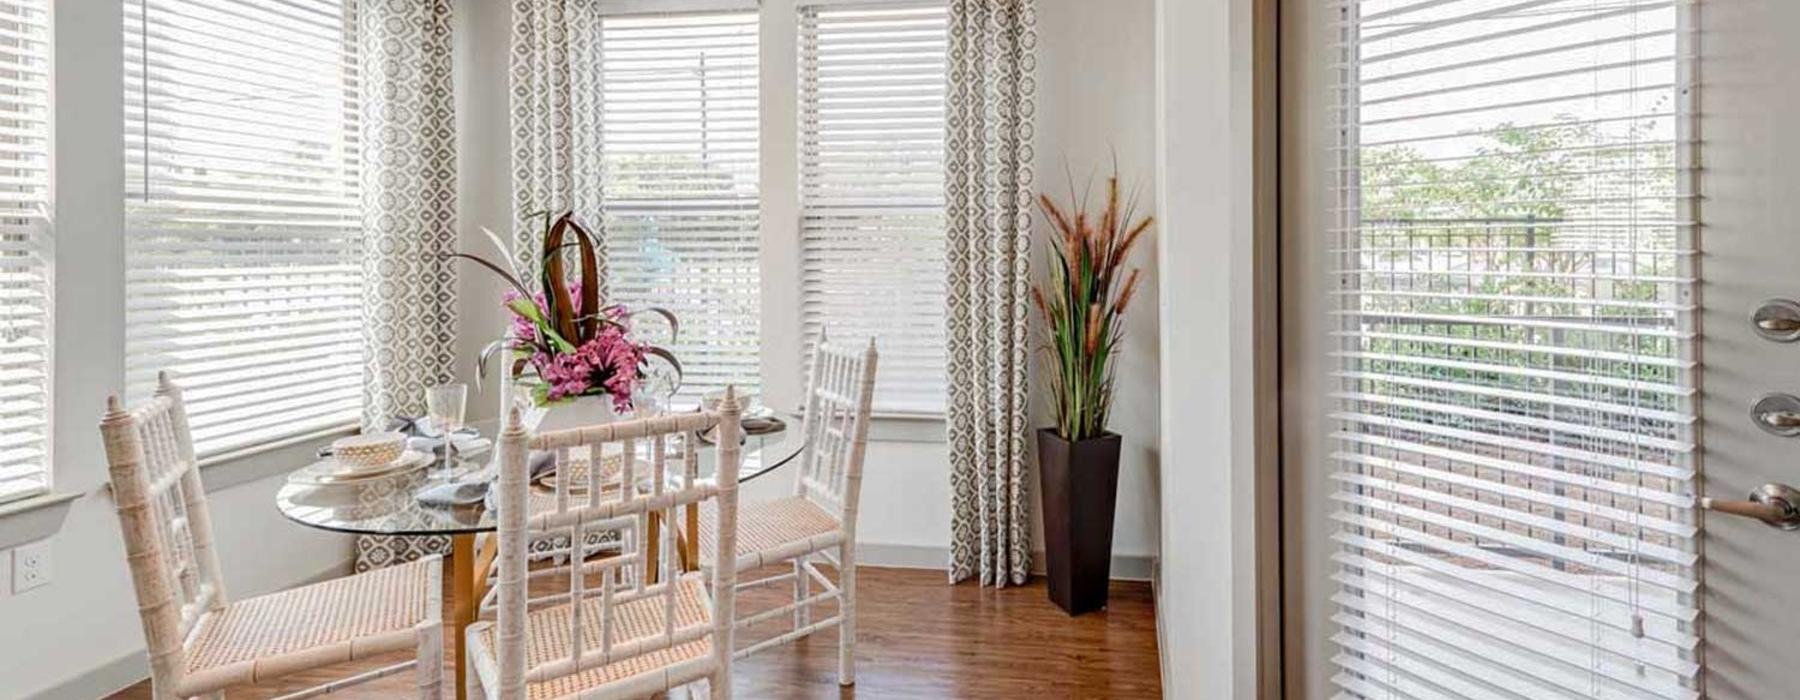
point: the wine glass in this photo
(656, 391)
(445, 403)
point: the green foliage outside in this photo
(1534, 232)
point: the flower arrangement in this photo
(1083, 303)
(576, 345)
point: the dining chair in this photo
(199, 640)
(554, 553)
(628, 638)
(819, 519)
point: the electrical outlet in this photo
(31, 566)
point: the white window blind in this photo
(24, 248)
(243, 214)
(679, 133)
(872, 189)
(1515, 397)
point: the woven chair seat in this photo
(773, 530)
(337, 620)
(547, 639)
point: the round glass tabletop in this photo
(390, 505)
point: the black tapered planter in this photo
(1080, 485)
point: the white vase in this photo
(575, 413)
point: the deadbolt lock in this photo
(1777, 320)
(1777, 414)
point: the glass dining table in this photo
(390, 506)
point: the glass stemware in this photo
(656, 391)
(445, 404)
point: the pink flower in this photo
(610, 362)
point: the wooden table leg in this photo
(690, 542)
(463, 604)
(653, 548)
(486, 551)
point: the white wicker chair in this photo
(554, 551)
(199, 643)
(820, 518)
(628, 638)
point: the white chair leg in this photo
(472, 681)
(802, 589)
(847, 611)
(430, 667)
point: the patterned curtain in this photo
(409, 217)
(555, 76)
(987, 147)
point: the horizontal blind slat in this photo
(682, 212)
(25, 242)
(1514, 383)
(243, 215)
(871, 190)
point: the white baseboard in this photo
(108, 678)
(1125, 567)
(120, 673)
(902, 556)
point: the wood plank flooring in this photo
(920, 638)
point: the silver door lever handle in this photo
(1781, 419)
(1778, 325)
(1777, 505)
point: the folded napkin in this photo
(467, 442)
(762, 425)
(540, 463)
(458, 493)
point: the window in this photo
(704, 217)
(24, 248)
(872, 189)
(679, 134)
(1515, 401)
(243, 215)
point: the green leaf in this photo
(529, 310)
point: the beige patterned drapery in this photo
(554, 77)
(409, 219)
(989, 105)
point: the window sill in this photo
(906, 428)
(254, 463)
(34, 518)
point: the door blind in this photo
(1515, 406)
(679, 133)
(24, 248)
(872, 189)
(243, 214)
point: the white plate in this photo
(330, 471)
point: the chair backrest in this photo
(839, 395)
(163, 515)
(622, 577)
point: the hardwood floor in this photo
(919, 638)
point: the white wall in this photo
(1207, 603)
(79, 635)
(1096, 102)
(484, 178)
